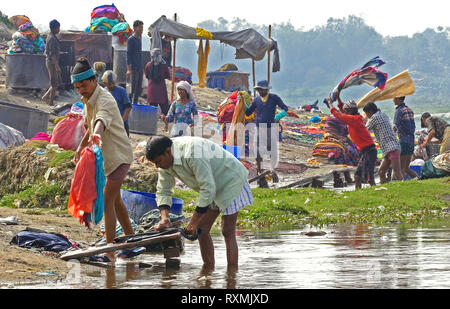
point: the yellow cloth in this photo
(400, 85)
(264, 99)
(117, 148)
(203, 33)
(202, 63)
(248, 102)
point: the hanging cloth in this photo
(236, 124)
(83, 190)
(202, 63)
(100, 180)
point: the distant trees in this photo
(313, 62)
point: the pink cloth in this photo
(41, 136)
(394, 155)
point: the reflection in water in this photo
(347, 256)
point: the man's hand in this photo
(78, 155)
(96, 139)
(163, 225)
(128, 73)
(193, 224)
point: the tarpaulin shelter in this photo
(249, 43)
(94, 46)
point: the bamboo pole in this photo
(268, 56)
(173, 64)
(254, 78)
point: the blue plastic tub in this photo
(140, 203)
(143, 119)
(416, 168)
(234, 150)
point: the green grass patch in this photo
(400, 202)
(36, 196)
(58, 158)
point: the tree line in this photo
(313, 62)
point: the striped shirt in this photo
(380, 125)
(404, 121)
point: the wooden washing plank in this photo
(115, 247)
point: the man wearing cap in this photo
(437, 128)
(265, 106)
(109, 79)
(52, 53)
(360, 135)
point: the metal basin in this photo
(27, 120)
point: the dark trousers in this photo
(366, 165)
(127, 128)
(136, 85)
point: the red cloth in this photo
(356, 128)
(69, 132)
(83, 190)
(292, 114)
(157, 93)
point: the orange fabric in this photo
(238, 118)
(19, 20)
(83, 190)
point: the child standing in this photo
(183, 112)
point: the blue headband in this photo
(82, 76)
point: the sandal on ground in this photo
(129, 253)
(100, 258)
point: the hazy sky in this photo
(388, 17)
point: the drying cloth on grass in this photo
(30, 238)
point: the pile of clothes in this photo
(27, 38)
(335, 145)
(107, 18)
(302, 132)
(436, 167)
(226, 110)
(182, 74)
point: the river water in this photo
(348, 256)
